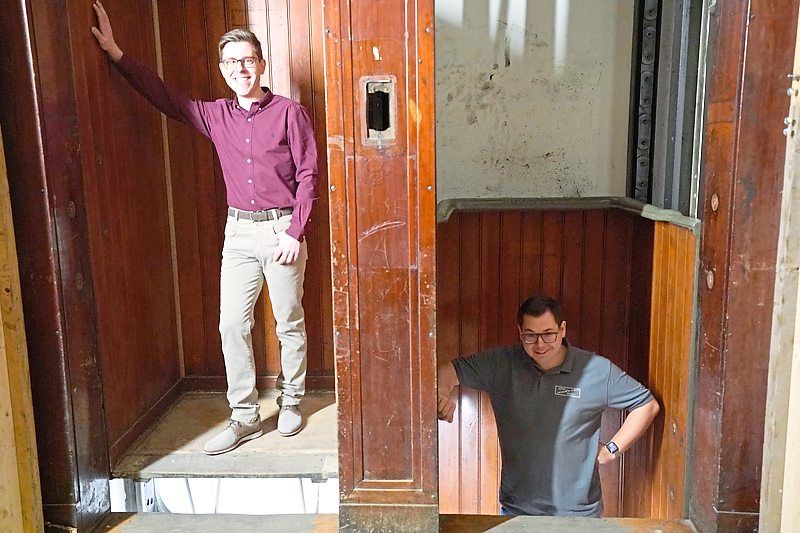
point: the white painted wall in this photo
(524, 110)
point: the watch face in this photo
(611, 447)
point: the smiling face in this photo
(242, 80)
(546, 354)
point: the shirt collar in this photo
(260, 104)
(569, 360)
(566, 365)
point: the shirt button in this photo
(249, 181)
(252, 201)
(247, 140)
(248, 160)
(249, 120)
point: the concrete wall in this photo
(522, 112)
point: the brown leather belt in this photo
(259, 216)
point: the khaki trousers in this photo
(246, 262)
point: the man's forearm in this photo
(635, 425)
(448, 378)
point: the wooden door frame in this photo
(780, 486)
(387, 470)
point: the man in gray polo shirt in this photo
(548, 399)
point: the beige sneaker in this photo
(290, 421)
(232, 436)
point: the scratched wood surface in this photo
(382, 202)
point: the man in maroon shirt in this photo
(265, 144)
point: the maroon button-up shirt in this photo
(267, 153)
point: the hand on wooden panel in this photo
(288, 249)
(104, 35)
(445, 408)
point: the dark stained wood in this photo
(36, 252)
(40, 112)
(382, 202)
(597, 262)
(743, 161)
(129, 232)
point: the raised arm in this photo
(172, 103)
(447, 381)
(104, 35)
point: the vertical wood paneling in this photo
(654, 480)
(586, 259)
(448, 345)
(128, 227)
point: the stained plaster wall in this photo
(520, 116)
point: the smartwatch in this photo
(612, 447)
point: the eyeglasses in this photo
(231, 63)
(548, 337)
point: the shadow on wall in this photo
(532, 97)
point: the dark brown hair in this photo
(538, 305)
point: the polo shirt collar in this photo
(569, 360)
(566, 366)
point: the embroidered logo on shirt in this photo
(572, 392)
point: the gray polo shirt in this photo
(549, 424)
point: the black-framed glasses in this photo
(232, 62)
(548, 337)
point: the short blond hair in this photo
(240, 35)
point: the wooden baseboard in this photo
(118, 448)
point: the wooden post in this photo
(47, 188)
(21, 501)
(780, 487)
(382, 217)
(743, 161)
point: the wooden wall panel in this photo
(129, 229)
(596, 262)
(655, 471)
